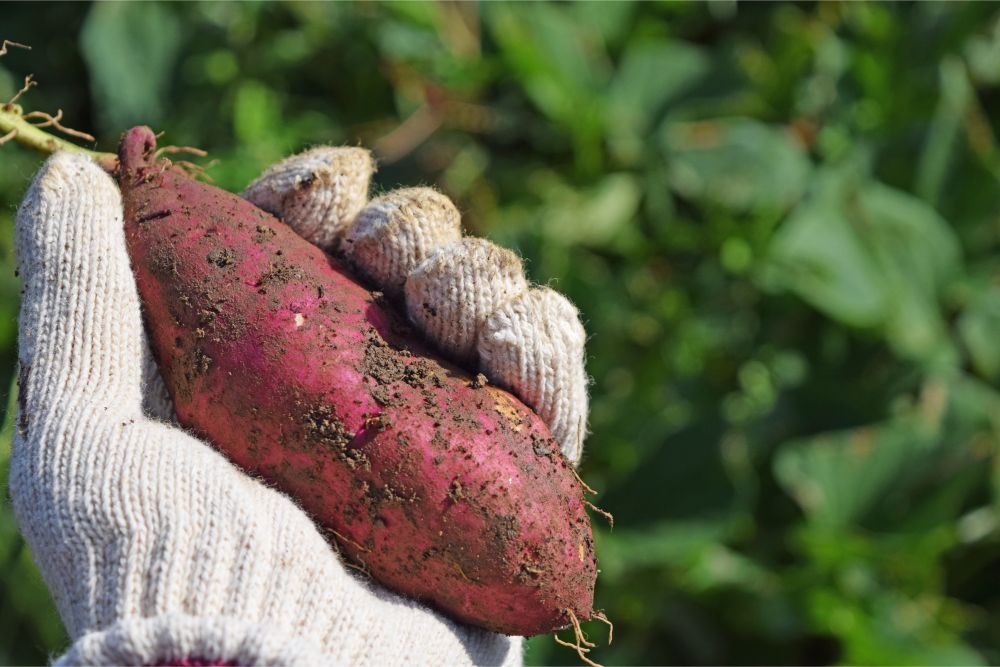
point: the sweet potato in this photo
(443, 488)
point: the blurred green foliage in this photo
(781, 224)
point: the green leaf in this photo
(739, 163)
(978, 327)
(837, 477)
(818, 255)
(610, 19)
(256, 112)
(651, 74)
(597, 215)
(868, 255)
(130, 49)
(557, 64)
(919, 254)
(912, 471)
(942, 135)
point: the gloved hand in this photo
(156, 549)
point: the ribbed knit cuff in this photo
(174, 639)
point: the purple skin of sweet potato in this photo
(443, 489)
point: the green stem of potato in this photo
(26, 134)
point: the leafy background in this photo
(780, 222)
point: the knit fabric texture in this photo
(156, 549)
(450, 294)
(396, 231)
(318, 192)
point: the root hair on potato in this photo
(360, 567)
(602, 617)
(347, 540)
(178, 149)
(607, 515)
(586, 487)
(582, 646)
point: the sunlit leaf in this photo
(738, 163)
(870, 256)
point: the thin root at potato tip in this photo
(580, 651)
(582, 645)
(601, 616)
(196, 170)
(347, 540)
(581, 637)
(179, 149)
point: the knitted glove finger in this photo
(534, 344)
(80, 336)
(131, 520)
(396, 231)
(317, 193)
(450, 294)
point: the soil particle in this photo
(320, 426)
(188, 368)
(455, 490)
(280, 273)
(201, 362)
(222, 257)
(542, 446)
(382, 396)
(206, 316)
(163, 261)
(381, 362)
(479, 381)
(149, 217)
(377, 422)
(418, 373)
(438, 440)
(506, 409)
(530, 572)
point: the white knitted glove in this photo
(156, 548)
(467, 295)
